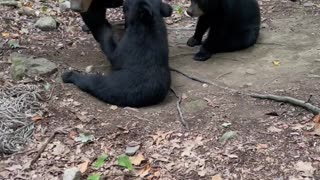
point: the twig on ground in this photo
(224, 74)
(271, 44)
(190, 77)
(59, 131)
(286, 99)
(204, 81)
(181, 118)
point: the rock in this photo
(251, 72)
(46, 23)
(89, 69)
(10, 3)
(308, 4)
(264, 25)
(72, 174)
(247, 85)
(28, 11)
(131, 150)
(65, 6)
(23, 65)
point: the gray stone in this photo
(308, 4)
(23, 65)
(65, 6)
(251, 72)
(46, 23)
(10, 3)
(131, 150)
(27, 11)
(72, 174)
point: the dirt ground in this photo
(271, 141)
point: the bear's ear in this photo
(166, 10)
(145, 11)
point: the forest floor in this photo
(270, 140)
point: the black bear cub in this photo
(140, 71)
(233, 25)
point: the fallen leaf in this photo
(216, 177)
(36, 118)
(83, 117)
(14, 168)
(145, 171)
(210, 103)
(228, 135)
(276, 63)
(131, 150)
(59, 149)
(274, 129)
(226, 125)
(184, 96)
(113, 107)
(13, 43)
(316, 130)
(84, 138)
(100, 161)
(125, 162)
(5, 34)
(73, 134)
(136, 160)
(157, 174)
(316, 119)
(202, 173)
(262, 146)
(305, 167)
(94, 177)
(83, 167)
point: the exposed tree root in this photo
(181, 118)
(286, 99)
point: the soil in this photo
(272, 138)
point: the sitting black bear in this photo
(233, 25)
(140, 70)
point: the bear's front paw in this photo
(193, 42)
(67, 77)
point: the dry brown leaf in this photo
(316, 130)
(36, 118)
(274, 129)
(262, 146)
(316, 119)
(216, 177)
(157, 174)
(305, 167)
(5, 34)
(83, 167)
(73, 134)
(136, 160)
(210, 103)
(145, 171)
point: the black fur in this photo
(140, 71)
(233, 25)
(97, 4)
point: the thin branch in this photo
(191, 77)
(181, 118)
(286, 99)
(45, 145)
(203, 81)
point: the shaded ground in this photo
(286, 61)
